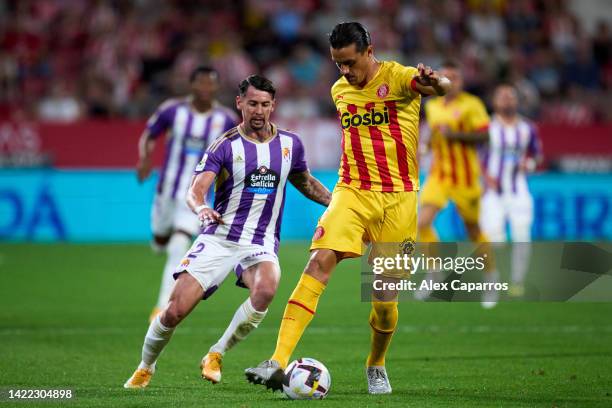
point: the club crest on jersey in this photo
(286, 153)
(262, 181)
(407, 246)
(382, 91)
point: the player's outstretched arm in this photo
(146, 145)
(480, 136)
(198, 191)
(430, 82)
(311, 187)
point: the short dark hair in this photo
(345, 34)
(203, 70)
(505, 84)
(257, 82)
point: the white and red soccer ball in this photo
(306, 378)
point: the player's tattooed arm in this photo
(198, 190)
(311, 187)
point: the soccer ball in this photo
(306, 378)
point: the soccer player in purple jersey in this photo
(251, 164)
(513, 151)
(189, 124)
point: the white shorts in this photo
(211, 258)
(168, 215)
(497, 210)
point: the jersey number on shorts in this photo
(199, 248)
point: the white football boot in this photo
(378, 381)
(268, 373)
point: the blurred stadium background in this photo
(78, 80)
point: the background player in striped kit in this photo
(513, 150)
(458, 122)
(189, 123)
(251, 164)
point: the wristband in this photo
(200, 208)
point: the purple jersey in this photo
(189, 134)
(508, 147)
(251, 180)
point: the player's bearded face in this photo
(256, 107)
(352, 64)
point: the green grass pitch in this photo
(74, 316)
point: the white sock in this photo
(521, 252)
(244, 321)
(490, 296)
(177, 247)
(155, 340)
(491, 277)
(157, 249)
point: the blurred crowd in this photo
(63, 60)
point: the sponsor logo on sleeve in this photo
(202, 163)
(318, 234)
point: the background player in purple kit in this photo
(190, 124)
(513, 150)
(251, 164)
